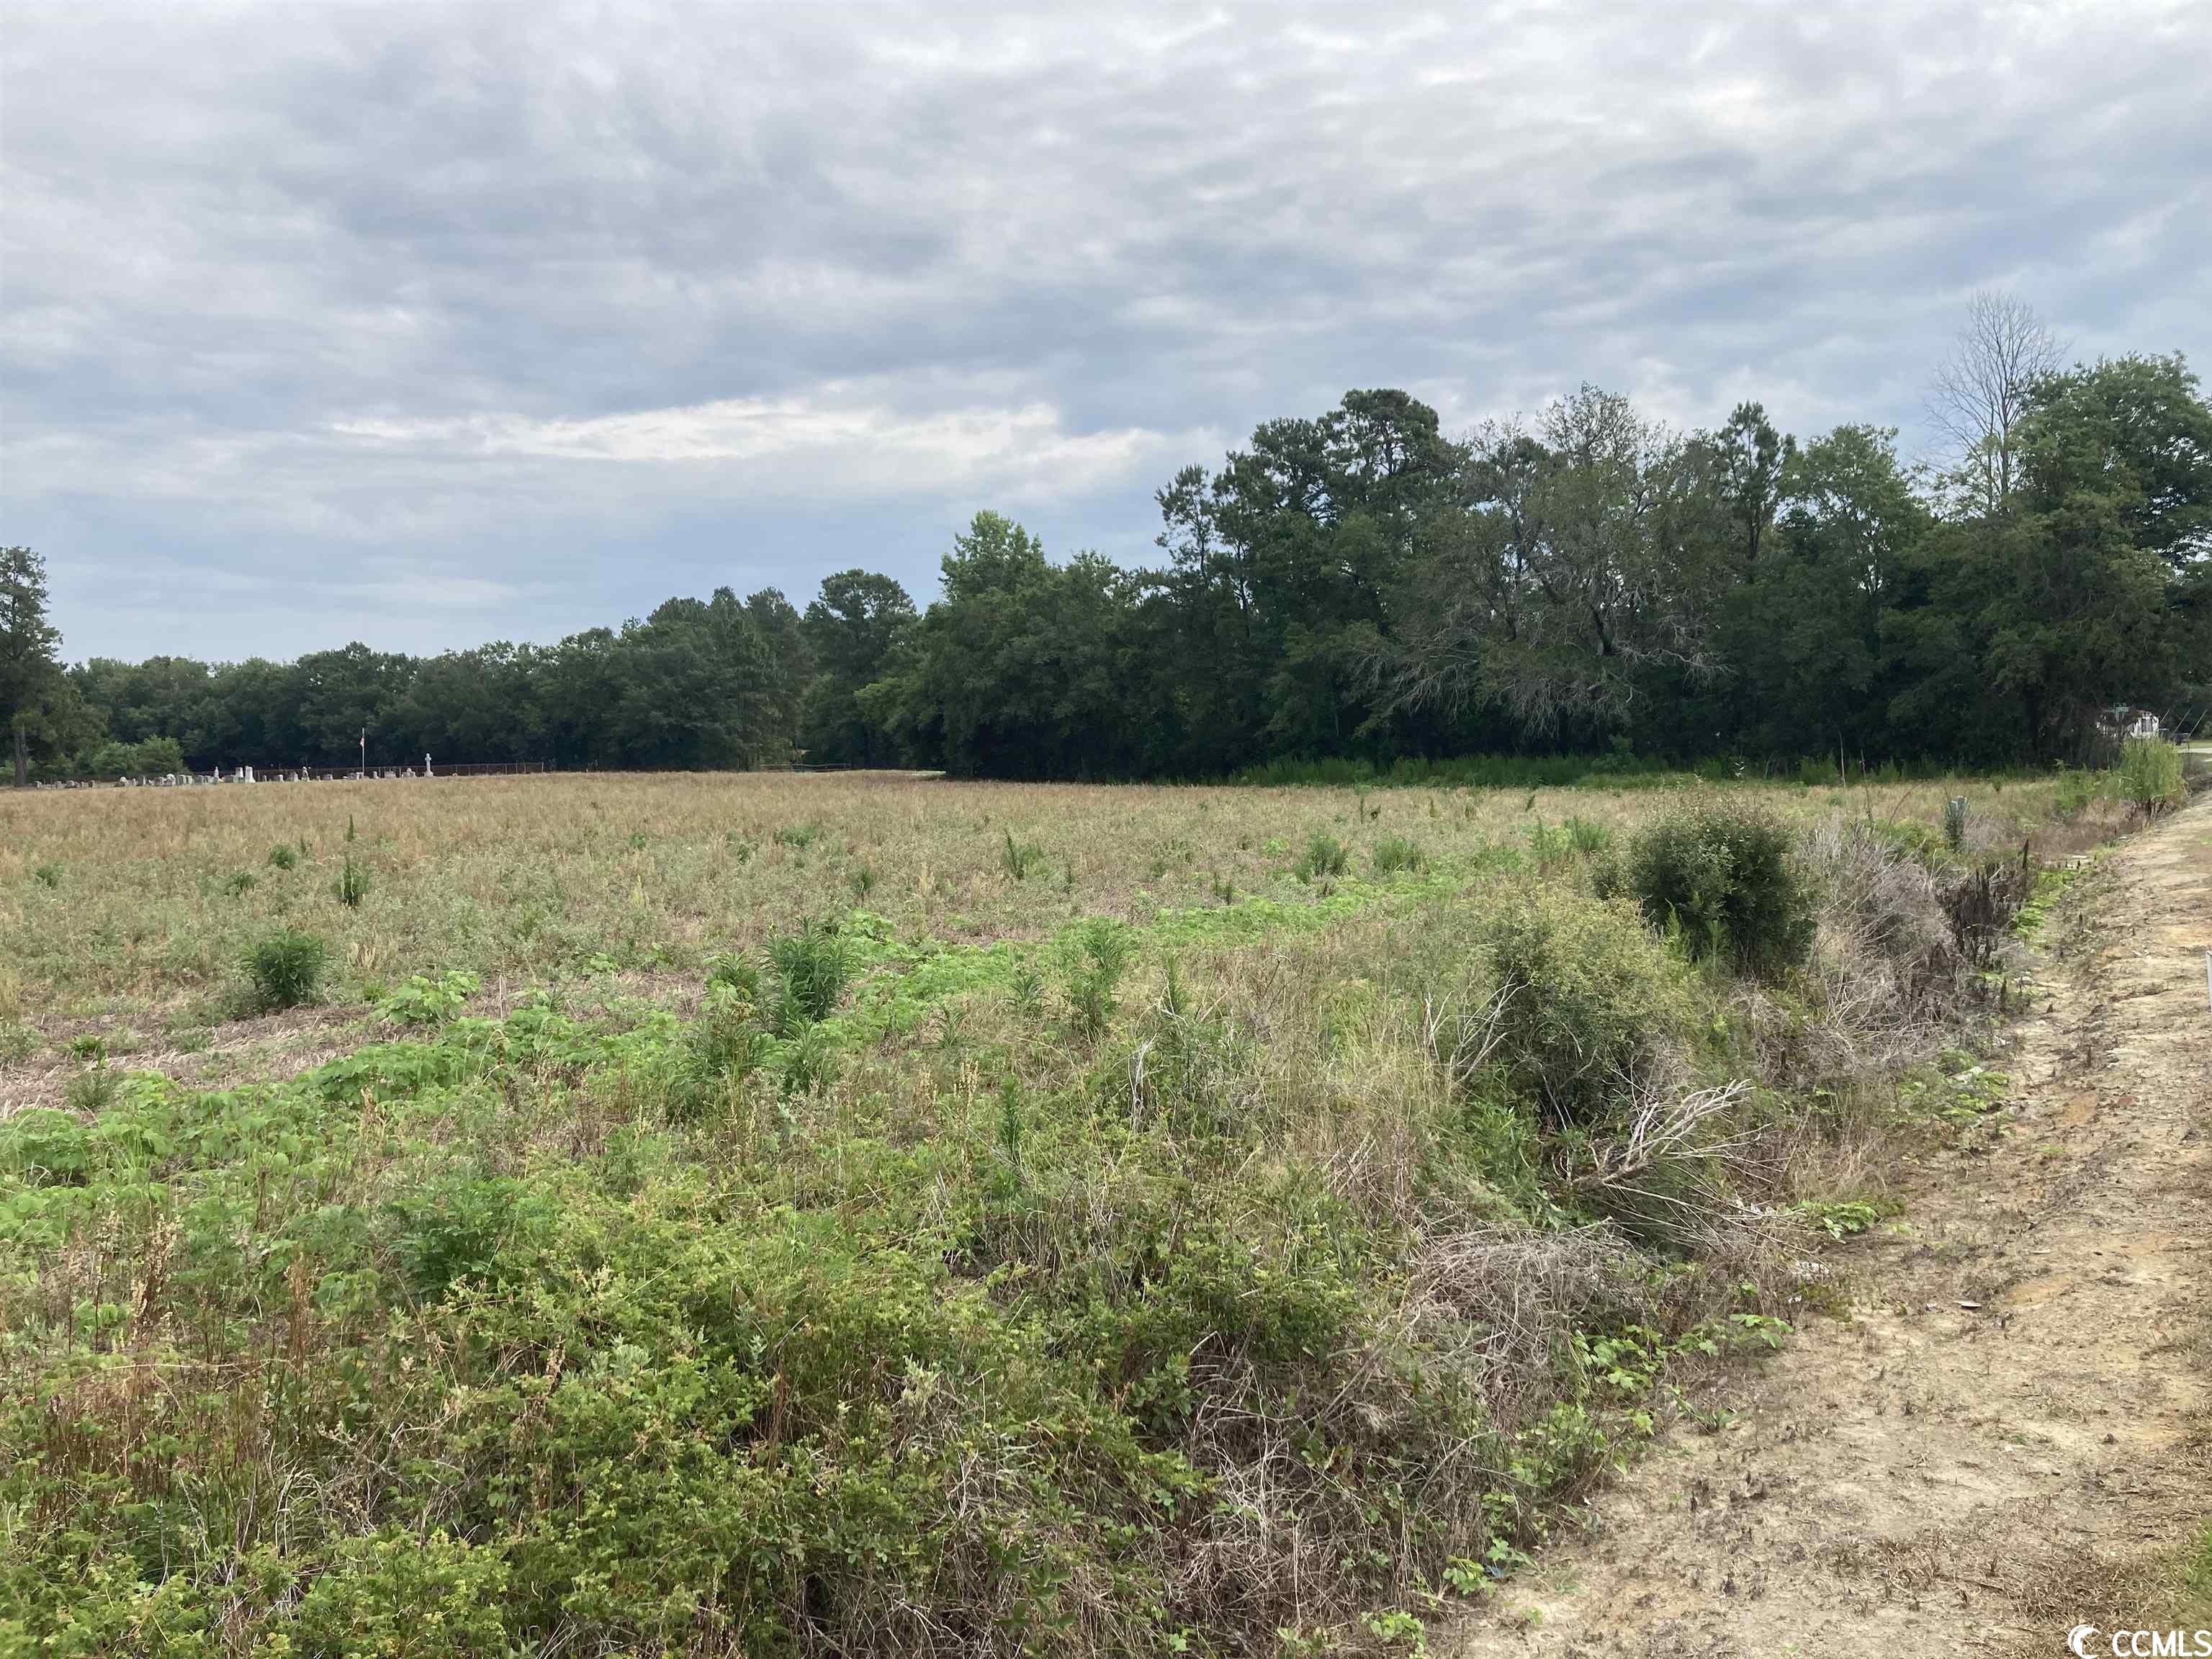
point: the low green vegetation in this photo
(1722, 878)
(1020, 857)
(286, 969)
(1325, 857)
(425, 1000)
(1395, 854)
(2197, 1580)
(887, 1292)
(813, 968)
(2150, 776)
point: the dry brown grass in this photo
(679, 860)
(138, 937)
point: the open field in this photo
(129, 910)
(1147, 1221)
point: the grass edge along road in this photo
(2011, 1435)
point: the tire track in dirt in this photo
(2019, 1410)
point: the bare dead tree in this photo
(1981, 391)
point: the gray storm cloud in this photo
(429, 324)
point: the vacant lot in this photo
(132, 909)
(756, 1214)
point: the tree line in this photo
(1361, 586)
(720, 683)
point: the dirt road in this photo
(2017, 1418)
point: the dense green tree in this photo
(583, 685)
(851, 630)
(1022, 668)
(1802, 637)
(260, 714)
(153, 758)
(30, 673)
(2097, 562)
(1282, 571)
(345, 698)
(2134, 436)
(790, 661)
(698, 688)
(1569, 572)
(1747, 463)
(486, 704)
(2076, 593)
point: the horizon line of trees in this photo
(1359, 585)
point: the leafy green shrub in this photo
(2071, 796)
(727, 1039)
(1954, 823)
(43, 1147)
(1722, 875)
(1842, 1219)
(1588, 838)
(815, 966)
(1912, 838)
(426, 1598)
(287, 969)
(1396, 852)
(729, 968)
(724, 1046)
(808, 1063)
(1091, 972)
(281, 857)
(1585, 998)
(422, 1001)
(154, 757)
(352, 883)
(47, 875)
(1325, 856)
(1019, 858)
(2149, 775)
(238, 882)
(450, 1227)
(92, 1090)
(1552, 847)
(797, 835)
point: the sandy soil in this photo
(2017, 1415)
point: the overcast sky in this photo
(431, 323)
